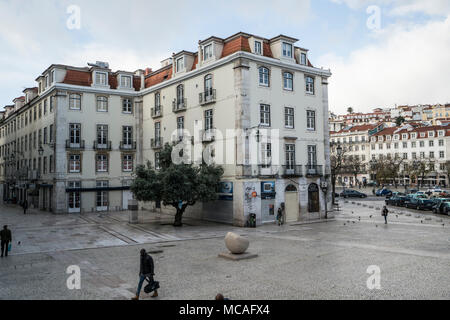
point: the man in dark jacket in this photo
(6, 238)
(25, 207)
(146, 270)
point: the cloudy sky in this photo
(381, 52)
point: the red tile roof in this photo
(238, 44)
(392, 130)
(79, 78)
(159, 76)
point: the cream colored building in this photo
(245, 83)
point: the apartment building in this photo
(264, 91)
(412, 143)
(355, 143)
(69, 144)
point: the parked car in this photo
(442, 207)
(349, 193)
(396, 200)
(419, 204)
(384, 193)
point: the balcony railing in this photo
(291, 171)
(179, 105)
(75, 146)
(208, 135)
(313, 170)
(268, 170)
(127, 146)
(209, 96)
(156, 143)
(157, 112)
(102, 146)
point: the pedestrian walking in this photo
(25, 206)
(147, 269)
(385, 213)
(280, 216)
(5, 238)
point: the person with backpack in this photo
(147, 268)
(385, 213)
(6, 238)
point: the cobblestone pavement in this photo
(297, 261)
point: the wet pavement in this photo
(299, 261)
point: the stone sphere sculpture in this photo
(236, 244)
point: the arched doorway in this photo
(292, 206)
(313, 198)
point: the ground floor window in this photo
(102, 196)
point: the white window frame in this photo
(289, 118)
(124, 83)
(288, 77)
(180, 65)
(287, 50)
(310, 85)
(264, 111)
(260, 51)
(264, 77)
(311, 120)
(207, 52)
(102, 104)
(99, 79)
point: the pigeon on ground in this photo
(371, 217)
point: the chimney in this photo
(147, 71)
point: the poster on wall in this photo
(226, 191)
(268, 190)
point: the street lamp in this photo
(324, 187)
(339, 150)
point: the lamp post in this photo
(324, 187)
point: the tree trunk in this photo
(179, 217)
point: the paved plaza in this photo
(322, 260)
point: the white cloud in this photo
(403, 66)
(128, 34)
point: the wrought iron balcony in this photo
(179, 105)
(157, 143)
(292, 171)
(127, 146)
(75, 146)
(102, 146)
(313, 170)
(157, 112)
(209, 96)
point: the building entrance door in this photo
(313, 198)
(292, 204)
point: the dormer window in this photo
(101, 78)
(125, 81)
(258, 47)
(207, 52)
(287, 50)
(303, 59)
(52, 76)
(180, 64)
